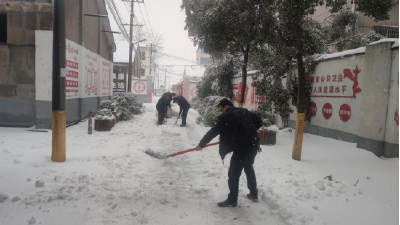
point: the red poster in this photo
(71, 83)
(345, 112)
(240, 92)
(235, 86)
(327, 110)
(313, 108)
(252, 95)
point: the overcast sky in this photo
(163, 17)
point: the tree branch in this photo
(279, 31)
(343, 40)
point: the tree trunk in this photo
(244, 75)
(301, 108)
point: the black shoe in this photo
(183, 125)
(252, 197)
(227, 203)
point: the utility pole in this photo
(165, 80)
(59, 74)
(130, 50)
(151, 54)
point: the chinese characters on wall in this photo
(335, 86)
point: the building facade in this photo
(387, 28)
(202, 57)
(26, 61)
(145, 55)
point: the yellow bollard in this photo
(298, 136)
(58, 144)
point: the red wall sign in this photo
(335, 85)
(313, 108)
(139, 86)
(327, 110)
(240, 92)
(193, 91)
(345, 112)
(235, 86)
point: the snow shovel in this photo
(177, 118)
(163, 156)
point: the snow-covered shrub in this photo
(267, 119)
(207, 109)
(104, 114)
(124, 105)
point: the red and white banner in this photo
(72, 63)
(91, 73)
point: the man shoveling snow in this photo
(237, 128)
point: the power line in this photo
(175, 57)
(144, 21)
(145, 9)
(114, 11)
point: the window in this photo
(142, 72)
(142, 55)
(203, 61)
(3, 28)
(387, 31)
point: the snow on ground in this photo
(108, 179)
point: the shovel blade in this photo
(155, 154)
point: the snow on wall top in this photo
(249, 72)
(384, 40)
(342, 54)
(360, 50)
(396, 44)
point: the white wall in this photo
(374, 98)
(43, 65)
(337, 67)
(86, 70)
(392, 122)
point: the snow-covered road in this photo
(108, 179)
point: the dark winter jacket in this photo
(170, 98)
(182, 102)
(161, 105)
(237, 128)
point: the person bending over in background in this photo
(162, 108)
(184, 107)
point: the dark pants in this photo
(240, 161)
(184, 116)
(160, 117)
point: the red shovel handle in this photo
(192, 149)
